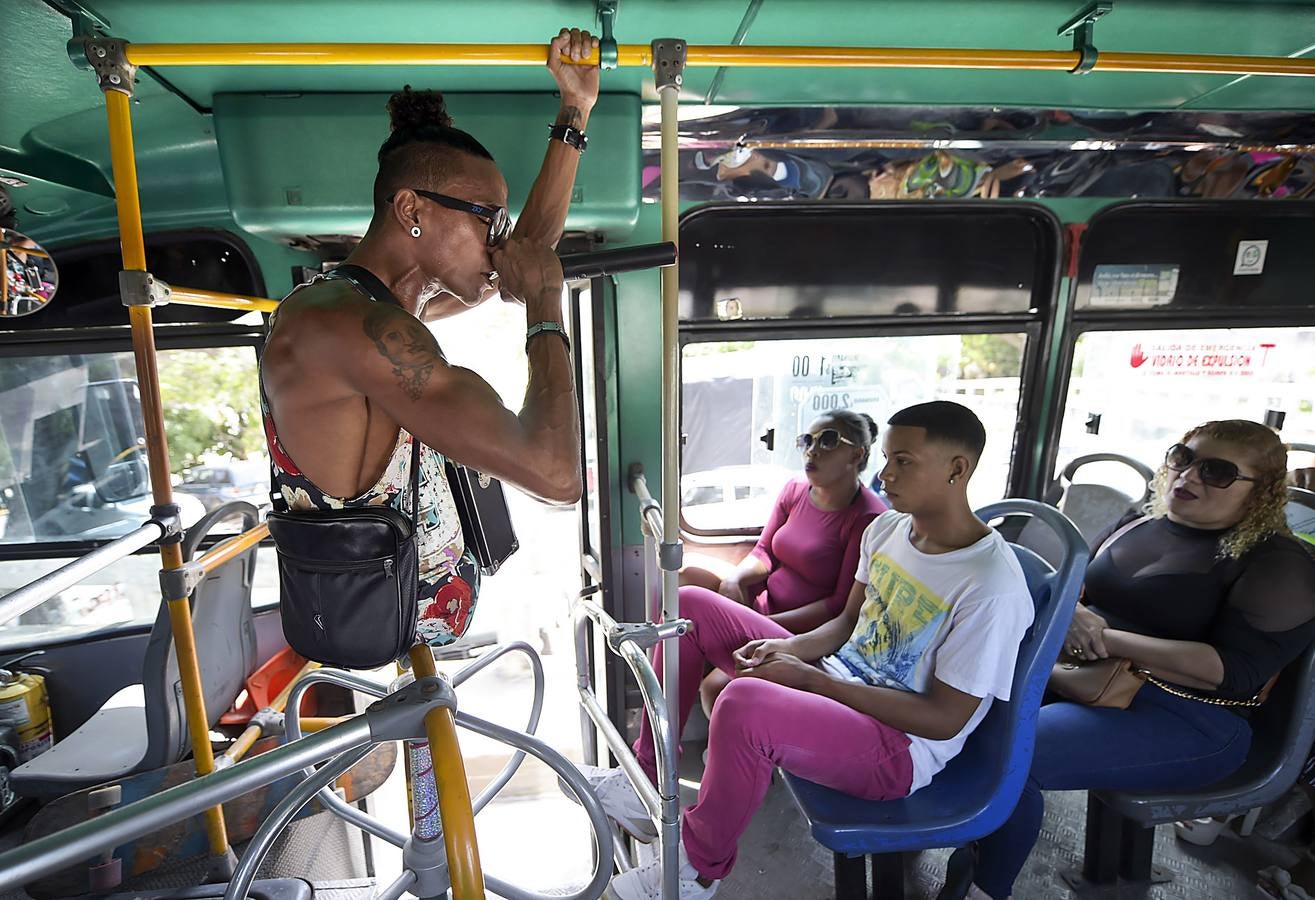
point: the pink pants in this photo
(757, 725)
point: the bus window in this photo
(1136, 392)
(743, 403)
(126, 593)
(73, 469)
(73, 464)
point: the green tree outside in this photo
(211, 404)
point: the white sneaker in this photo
(620, 801)
(645, 882)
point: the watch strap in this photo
(546, 328)
(571, 136)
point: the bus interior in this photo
(1083, 222)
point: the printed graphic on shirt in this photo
(899, 618)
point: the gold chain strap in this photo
(1187, 695)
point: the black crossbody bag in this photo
(349, 580)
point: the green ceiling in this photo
(52, 120)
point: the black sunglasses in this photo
(1217, 473)
(826, 439)
(497, 217)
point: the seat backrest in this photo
(1004, 740)
(1283, 728)
(1091, 507)
(1301, 513)
(225, 633)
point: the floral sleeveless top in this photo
(449, 575)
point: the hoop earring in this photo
(415, 231)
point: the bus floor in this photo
(322, 850)
(779, 860)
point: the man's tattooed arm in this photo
(569, 115)
(405, 343)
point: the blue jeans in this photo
(1160, 742)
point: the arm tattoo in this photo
(569, 115)
(406, 344)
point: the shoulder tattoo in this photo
(405, 343)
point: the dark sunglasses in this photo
(497, 217)
(826, 439)
(1217, 473)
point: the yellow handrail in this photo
(380, 54)
(132, 243)
(197, 297)
(454, 807)
(233, 547)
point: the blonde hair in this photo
(1264, 514)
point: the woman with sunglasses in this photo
(1208, 591)
(350, 377)
(800, 571)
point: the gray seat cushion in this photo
(107, 747)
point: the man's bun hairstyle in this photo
(418, 151)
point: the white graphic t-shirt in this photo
(959, 616)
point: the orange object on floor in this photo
(264, 685)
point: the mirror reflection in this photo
(30, 277)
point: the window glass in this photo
(125, 593)
(1224, 256)
(744, 402)
(767, 263)
(73, 463)
(1136, 392)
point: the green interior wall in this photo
(52, 123)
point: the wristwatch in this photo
(572, 137)
(546, 328)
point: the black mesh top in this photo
(1167, 580)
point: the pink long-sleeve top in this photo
(811, 554)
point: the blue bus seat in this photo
(979, 788)
(144, 726)
(1121, 827)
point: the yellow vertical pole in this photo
(454, 806)
(133, 247)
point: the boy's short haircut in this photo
(947, 422)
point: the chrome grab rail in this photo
(631, 642)
(32, 595)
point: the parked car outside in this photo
(215, 485)
(109, 507)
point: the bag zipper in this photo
(319, 619)
(328, 566)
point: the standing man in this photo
(350, 375)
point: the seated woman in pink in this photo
(800, 572)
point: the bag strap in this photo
(1127, 526)
(369, 284)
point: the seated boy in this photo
(873, 703)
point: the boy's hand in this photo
(785, 669)
(756, 651)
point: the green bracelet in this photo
(546, 328)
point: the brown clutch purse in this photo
(1111, 682)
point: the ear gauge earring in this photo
(415, 231)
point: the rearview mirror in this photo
(123, 481)
(30, 278)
